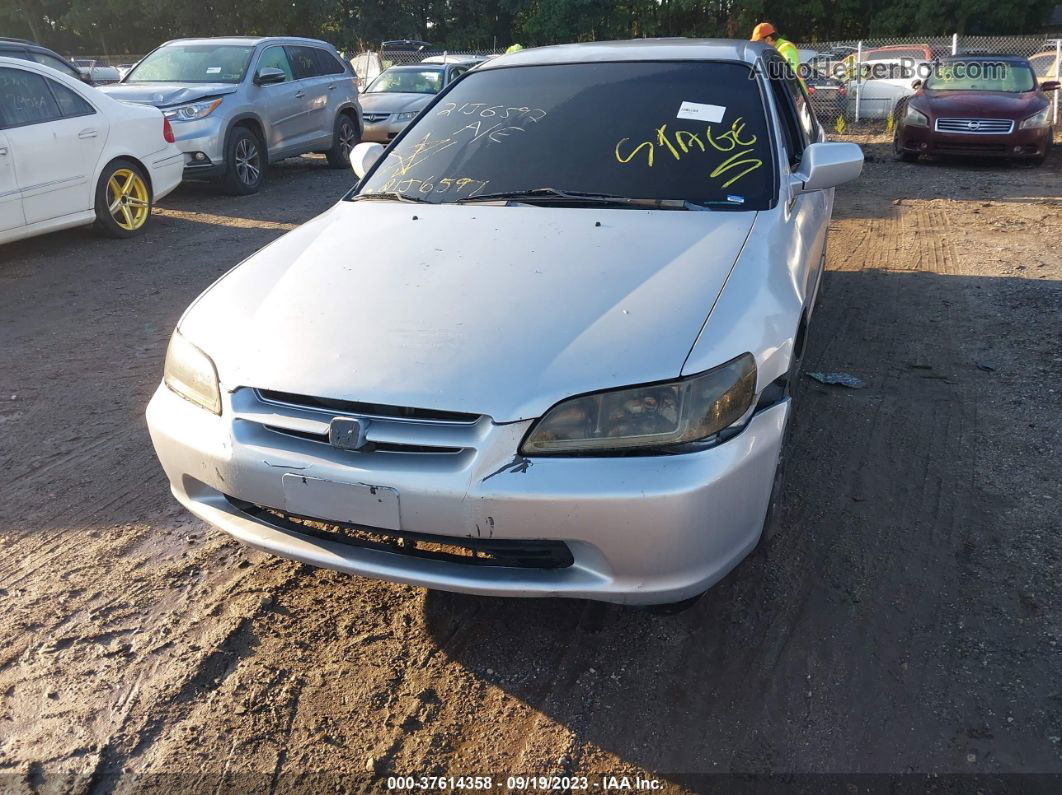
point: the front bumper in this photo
(205, 137)
(641, 530)
(382, 131)
(1017, 144)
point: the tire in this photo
(344, 138)
(793, 388)
(123, 200)
(901, 154)
(245, 163)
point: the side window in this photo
(327, 63)
(276, 58)
(25, 98)
(792, 134)
(803, 110)
(456, 72)
(70, 103)
(303, 61)
(50, 60)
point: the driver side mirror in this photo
(826, 165)
(364, 156)
(269, 75)
(916, 84)
(1050, 85)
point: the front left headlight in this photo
(1038, 120)
(408, 115)
(192, 111)
(686, 411)
(191, 374)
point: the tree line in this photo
(136, 26)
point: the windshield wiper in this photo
(391, 196)
(555, 196)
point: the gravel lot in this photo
(905, 614)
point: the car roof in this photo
(672, 49)
(419, 67)
(248, 40)
(983, 56)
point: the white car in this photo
(545, 348)
(70, 155)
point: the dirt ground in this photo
(904, 616)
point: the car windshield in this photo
(193, 63)
(407, 81)
(686, 131)
(982, 75)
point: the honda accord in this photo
(544, 348)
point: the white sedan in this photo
(70, 156)
(545, 348)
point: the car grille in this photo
(282, 420)
(511, 553)
(374, 117)
(975, 126)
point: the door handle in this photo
(332, 87)
(3, 150)
(300, 94)
(87, 134)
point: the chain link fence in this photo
(862, 80)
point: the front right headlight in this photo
(1038, 120)
(915, 117)
(192, 111)
(407, 115)
(681, 412)
(191, 374)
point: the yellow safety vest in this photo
(788, 51)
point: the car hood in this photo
(484, 309)
(981, 103)
(163, 95)
(393, 103)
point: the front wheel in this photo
(123, 200)
(344, 139)
(245, 163)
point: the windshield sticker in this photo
(213, 70)
(712, 114)
(742, 159)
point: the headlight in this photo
(406, 116)
(661, 415)
(915, 117)
(191, 374)
(192, 111)
(1039, 120)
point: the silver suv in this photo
(237, 104)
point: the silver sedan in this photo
(519, 360)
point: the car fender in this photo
(245, 116)
(760, 307)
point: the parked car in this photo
(97, 73)
(1045, 64)
(887, 76)
(29, 51)
(828, 95)
(70, 156)
(980, 106)
(394, 99)
(522, 362)
(239, 104)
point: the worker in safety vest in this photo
(765, 32)
(514, 48)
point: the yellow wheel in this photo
(123, 199)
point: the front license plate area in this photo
(353, 503)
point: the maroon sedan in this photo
(985, 106)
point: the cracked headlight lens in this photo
(689, 410)
(191, 374)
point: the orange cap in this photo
(762, 31)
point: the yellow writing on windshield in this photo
(742, 159)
